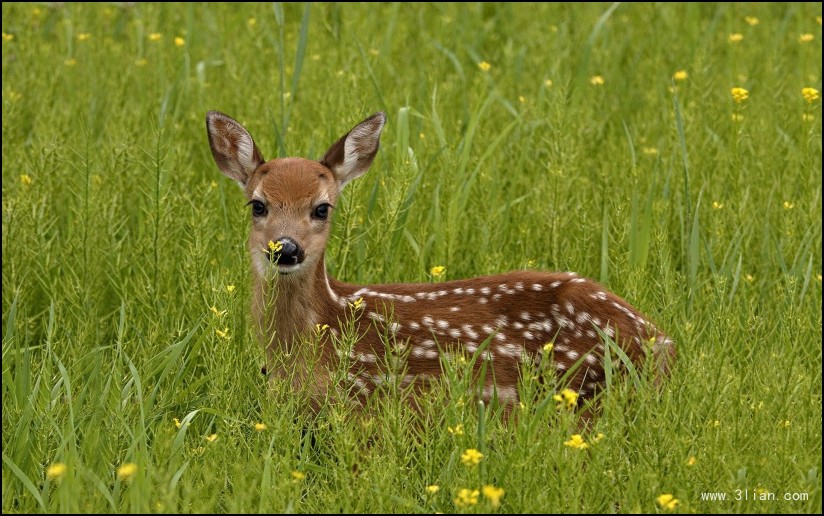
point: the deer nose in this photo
(290, 252)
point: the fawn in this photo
(506, 318)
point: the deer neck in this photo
(290, 305)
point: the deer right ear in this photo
(233, 148)
(351, 156)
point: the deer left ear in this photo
(352, 155)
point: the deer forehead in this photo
(292, 182)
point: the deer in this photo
(503, 321)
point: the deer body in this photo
(295, 302)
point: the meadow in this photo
(672, 152)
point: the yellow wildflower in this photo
(223, 334)
(567, 398)
(320, 328)
(211, 438)
(680, 75)
(70, 62)
(179, 42)
(56, 471)
(218, 313)
(260, 426)
(155, 36)
(25, 179)
(315, 57)
(691, 461)
(739, 94)
(521, 99)
(749, 277)
(7, 36)
(275, 247)
(432, 489)
(598, 438)
(83, 36)
(467, 497)
(649, 151)
(178, 424)
(484, 66)
(597, 80)
(297, 476)
(752, 21)
(251, 22)
(577, 442)
(735, 37)
(357, 304)
(806, 38)
(141, 62)
(230, 288)
(788, 205)
(548, 347)
(810, 94)
(737, 117)
(374, 51)
(437, 271)
(456, 430)
(717, 205)
(818, 19)
(786, 423)
(668, 502)
(126, 471)
(493, 494)
(471, 457)
(548, 83)
(807, 117)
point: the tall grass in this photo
(120, 236)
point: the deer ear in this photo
(352, 155)
(233, 148)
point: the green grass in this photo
(119, 234)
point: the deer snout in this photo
(288, 253)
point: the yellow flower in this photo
(596, 80)
(218, 313)
(717, 205)
(691, 461)
(735, 37)
(83, 36)
(141, 62)
(680, 75)
(598, 438)
(548, 347)
(493, 494)
(297, 476)
(56, 471)
(668, 502)
(788, 205)
(786, 423)
(374, 51)
(223, 334)
(466, 497)
(548, 83)
(749, 277)
(752, 21)
(484, 66)
(25, 179)
(807, 117)
(126, 471)
(251, 22)
(806, 38)
(70, 62)
(716, 423)
(211, 438)
(275, 247)
(155, 36)
(230, 288)
(521, 99)
(432, 489)
(7, 36)
(179, 42)
(818, 19)
(437, 271)
(456, 430)
(178, 424)
(818, 277)
(471, 457)
(739, 94)
(320, 328)
(649, 151)
(737, 117)
(577, 442)
(260, 426)
(357, 304)
(762, 490)
(315, 57)
(568, 398)
(810, 94)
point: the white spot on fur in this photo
(582, 317)
(414, 326)
(555, 284)
(454, 333)
(529, 335)
(517, 325)
(394, 327)
(485, 291)
(537, 287)
(487, 328)
(472, 334)
(572, 354)
(442, 324)
(570, 309)
(525, 316)
(483, 300)
(577, 280)
(454, 308)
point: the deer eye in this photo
(258, 208)
(321, 211)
